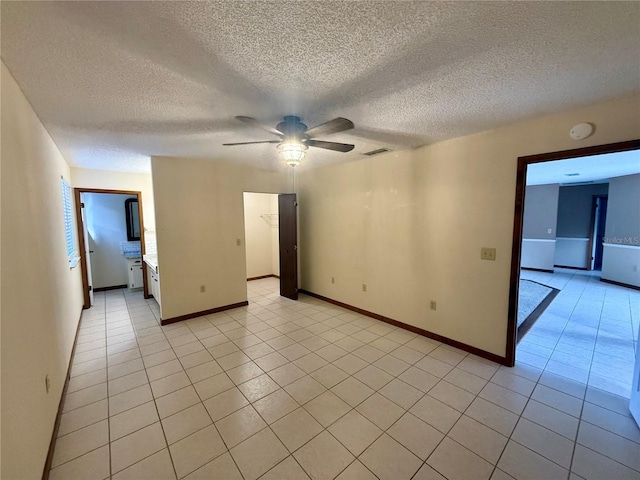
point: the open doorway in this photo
(597, 231)
(570, 221)
(111, 240)
(271, 239)
(261, 235)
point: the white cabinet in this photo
(134, 271)
(153, 280)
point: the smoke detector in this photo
(581, 131)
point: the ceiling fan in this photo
(295, 138)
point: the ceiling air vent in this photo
(376, 152)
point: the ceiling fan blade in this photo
(338, 147)
(252, 121)
(250, 143)
(332, 126)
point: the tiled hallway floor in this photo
(588, 333)
(285, 389)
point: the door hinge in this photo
(81, 204)
(295, 204)
(90, 288)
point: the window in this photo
(67, 205)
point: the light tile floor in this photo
(588, 333)
(284, 389)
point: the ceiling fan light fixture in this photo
(292, 152)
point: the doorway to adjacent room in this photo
(565, 231)
(271, 239)
(111, 240)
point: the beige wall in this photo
(199, 213)
(139, 182)
(411, 224)
(259, 233)
(275, 239)
(41, 295)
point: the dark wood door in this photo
(287, 206)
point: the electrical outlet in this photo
(238, 242)
(203, 288)
(432, 304)
(364, 287)
(487, 253)
(47, 383)
(333, 279)
(548, 230)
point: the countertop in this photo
(152, 261)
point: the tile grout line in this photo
(586, 385)
(60, 436)
(244, 325)
(324, 429)
(152, 396)
(106, 341)
(137, 430)
(446, 435)
(223, 370)
(200, 399)
(405, 410)
(575, 443)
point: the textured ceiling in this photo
(116, 82)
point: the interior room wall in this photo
(107, 227)
(275, 239)
(575, 205)
(575, 208)
(199, 214)
(410, 224)
(621, 253)
(137, 182)
(539, 226)
(41, 295)
(259, 225)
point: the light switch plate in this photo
(487, 253)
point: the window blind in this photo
(72, 251)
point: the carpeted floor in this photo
(533, 300)
(530, 296)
